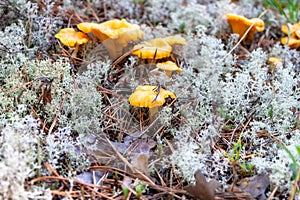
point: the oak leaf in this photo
(203, 190)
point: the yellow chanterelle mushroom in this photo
(293, 30)
(240, 25)
(150, 97)
(157, 48)
(169, 67)
(114, 34)
(71, 38)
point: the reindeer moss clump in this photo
(20, 155)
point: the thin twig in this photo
(17, 87)
(125, 55)
(42, 124)
(56, 116)
(127, 163)
(53, 171)
(85, 185)
(295, 185)
(273, 192)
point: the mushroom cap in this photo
(160, 47)
(114, 34)
(297, 33)
(175, 39)
(86, 27)
(168, 66)
(258, 24)
(240, 25)
(145, 96)
(157, 47)
(113, 29)
(69, 37)
(294, 29)
(293, 42)
(274, 60)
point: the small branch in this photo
(85, 185)
(273, 193)
(56, 116)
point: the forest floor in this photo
(223, 126)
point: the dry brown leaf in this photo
(140, 161)
(203, 190)
(89, 177)
(256, 186)
(45, 85)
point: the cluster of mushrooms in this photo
(293, 30)
(240, 25)
(114, 34)
(117, 34)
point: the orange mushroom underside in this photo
(240, 25)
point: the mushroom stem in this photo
(153, 111)
(74, 54)
(169, 73)
(113, 48)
